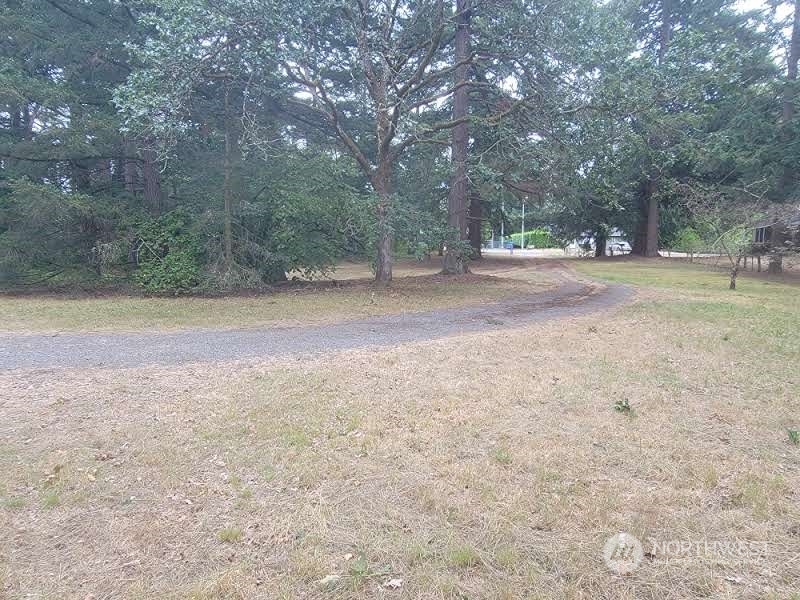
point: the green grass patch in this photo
(794, 436)
(759, 313)
(685, 276)
(229, 535)
(297, 439)
(502, 456)
(770, 325)
(51, 499)
(12, 503)
(463, 557)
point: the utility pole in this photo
(522, 244)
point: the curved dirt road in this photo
(80, 350)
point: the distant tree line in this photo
(186, 145)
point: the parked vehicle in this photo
(622, 247)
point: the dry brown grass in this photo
(483, 466)
(415, 288)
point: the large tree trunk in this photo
(791, 72)
(104, 171)
(454, 263)
(381, 182)
(600, 243)
(640, 238)
(80, 180)
(787, 114)
(651, 244)
(639, 247)
(16, 133)
(666, 30)
(16, 123)
(227, 194)
(475, 223)
(21, 128)
(458, 198)
(151, 177)
(130, 171)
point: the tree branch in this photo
(333, 115)
(416, 139)
(71, 14)
(68, 158)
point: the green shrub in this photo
(229, 535)
(624, 406)
(794, 436)
(537, 238)
(688, 240)
(54, 238)
(169, 254)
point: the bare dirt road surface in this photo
(572, 297)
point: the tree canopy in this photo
(186, 145)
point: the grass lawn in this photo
(483, 466)
(416, 288)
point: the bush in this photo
(169, 254)
(688, 240)
(55, 238)
(538, 238)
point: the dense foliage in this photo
(185, 145)
(537, 238)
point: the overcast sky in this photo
(751, 4)
(784, 11)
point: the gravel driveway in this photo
(76, 350)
